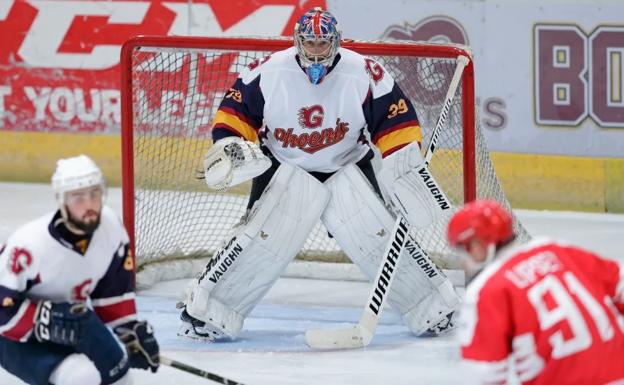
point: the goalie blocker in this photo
(411, 188)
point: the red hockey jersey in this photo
(550, 311)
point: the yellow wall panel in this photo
(614, 188)
(31, 156)
(529, 181)
(552, 182)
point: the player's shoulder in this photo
(32, 229)
(494, 276)
(111, 222)
(110, 215)
(367, 70)
(352, 62)
(29, 240)
(351, 56)
(276, 61)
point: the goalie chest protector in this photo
(316, 127)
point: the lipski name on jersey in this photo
(314, 141)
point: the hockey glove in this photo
(61, 323)
(143, 351)
(231, 161)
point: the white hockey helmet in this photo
(75, 173)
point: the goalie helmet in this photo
(485, 220)
(75, 173)
(315, 27)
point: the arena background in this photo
(549, 80)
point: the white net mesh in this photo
(175, 93)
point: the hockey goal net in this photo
(171, 89)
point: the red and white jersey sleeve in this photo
(551, 309)
(318, 127)
(19, 271)
(35, 265)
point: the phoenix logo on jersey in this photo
(311, 117)
(314, 141)
(20, 260)
(81, 291)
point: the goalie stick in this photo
(196, 371)
(361, 334)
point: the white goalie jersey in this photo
(318, 127)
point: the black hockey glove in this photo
(143, 351)
(61, 323)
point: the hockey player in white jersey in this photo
(66, 291)
(309, 107)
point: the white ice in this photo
(272, 350)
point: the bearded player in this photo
(67, 311)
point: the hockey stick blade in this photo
(360, 335)
(350, 338)
(196, 371)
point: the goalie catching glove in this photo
(143, 350)
(231, 161)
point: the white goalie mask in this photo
(317, 27)
(75, 173)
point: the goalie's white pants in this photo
(239, 275)
(361, 224)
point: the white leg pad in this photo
(76, 369)
(411, 188)
(361, 224)
(433, 308)
(241, 273)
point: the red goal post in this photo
(170, 89)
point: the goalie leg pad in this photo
(239, 275)
(361, 224)
(412, 189)
(433, 314)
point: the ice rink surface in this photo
(272, 350)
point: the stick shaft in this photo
(385, 275)
(462, 61)
(196, 371)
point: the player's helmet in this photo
(317, 26)
(75, 173)
(485, 220)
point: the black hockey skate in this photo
(198, 329)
